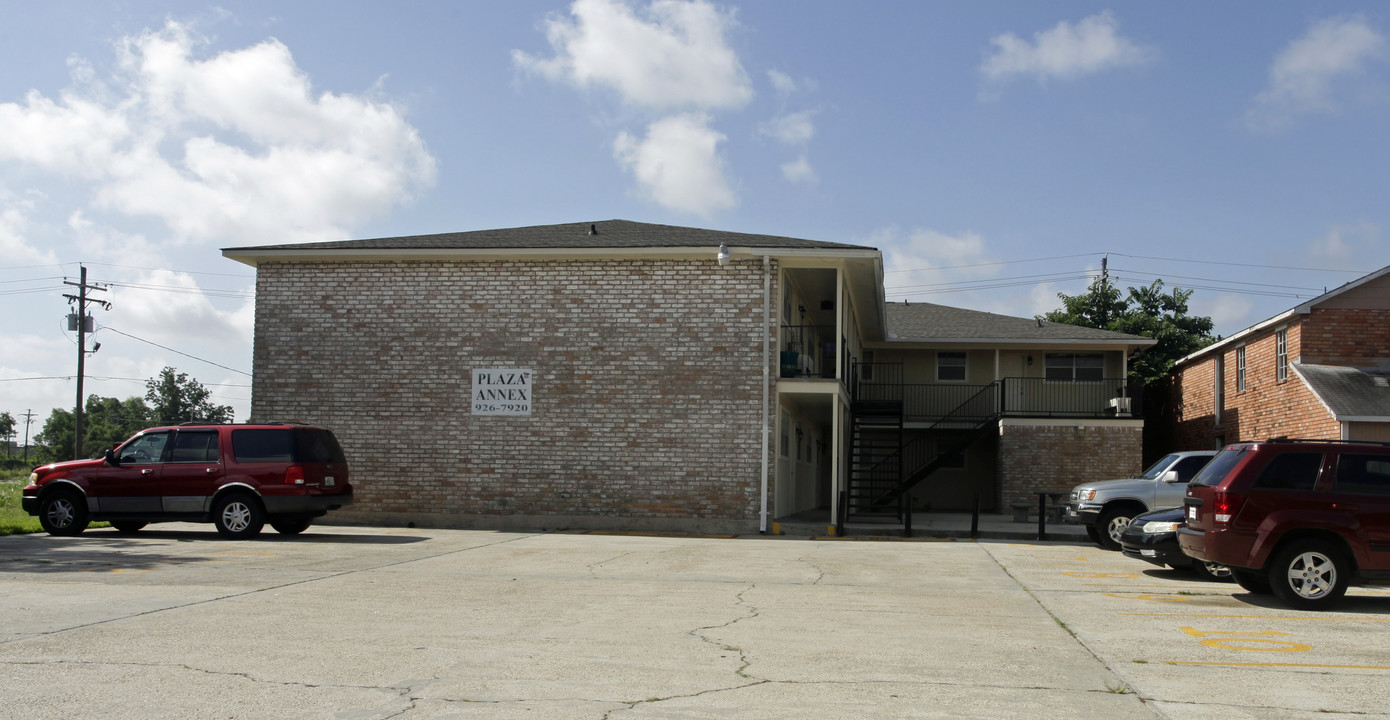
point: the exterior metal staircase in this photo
(876, 459)
(884, 468)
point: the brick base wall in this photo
(1056, 458)
(646, 387)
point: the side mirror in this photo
(111, 458)
(1170, 476)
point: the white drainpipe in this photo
(762, 515)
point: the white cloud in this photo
(913, 262)
(791, 128)
(233, 148)
(1306, 76)
(678, 164)
(1346, 245)
(1066, 51)
(170, 308)
(25, 356)
(925, 248)
(799, 171)
(1229, 313)
(14, 227)
(672, 56)
(783, 83)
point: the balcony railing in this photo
(1010, 397)
(808, 351)
(1037, 397)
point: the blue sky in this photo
(995, 151)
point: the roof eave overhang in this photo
(256, 256)
(1307, 307)
(1021, 343)
(1241, 336)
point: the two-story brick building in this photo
(1318, 370)
(629, 375)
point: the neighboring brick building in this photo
(1319, 370)
(620, 375)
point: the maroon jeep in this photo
(1302, 519)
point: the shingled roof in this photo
(1350, 393)
(926, 322)
(610, 234)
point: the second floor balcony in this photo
(1007, 397)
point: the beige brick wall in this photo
(1056, 458)
(646, 382)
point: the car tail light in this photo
(294, 475)
(1225, 506)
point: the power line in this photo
(179, 352)
(1118, 254)
(1045, 277)
(207, 292)
(988, 264)
(1225, 289)
(1222, 280)
(1234, 264)
(185, 272)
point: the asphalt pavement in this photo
(358, 623)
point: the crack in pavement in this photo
(820, 572)
(1115, 673)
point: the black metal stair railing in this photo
(876, 462)
(921, 458)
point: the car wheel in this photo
(1111, 526)
(238, 516)
(127, 526)
(290, 526)
(1094, 535)
(1251, 581)
(1211, 571)
(1309, 575)
(63, 513)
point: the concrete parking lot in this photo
(361, 623)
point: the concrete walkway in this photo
(990, 526)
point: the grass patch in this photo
(13, 519)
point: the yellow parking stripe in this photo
(1278, 665)
(1262, 617)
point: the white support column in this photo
(837, 455)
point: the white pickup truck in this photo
(1106, 507)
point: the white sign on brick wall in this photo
(505, 391)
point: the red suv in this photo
(1302, 519)
(237, 477)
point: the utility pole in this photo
(1104, 289)
(83, 319)
(28, 416)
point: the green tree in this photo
(175, 398)
(6, 430)
(107, 421)
(54, 442)
(1146, 311)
